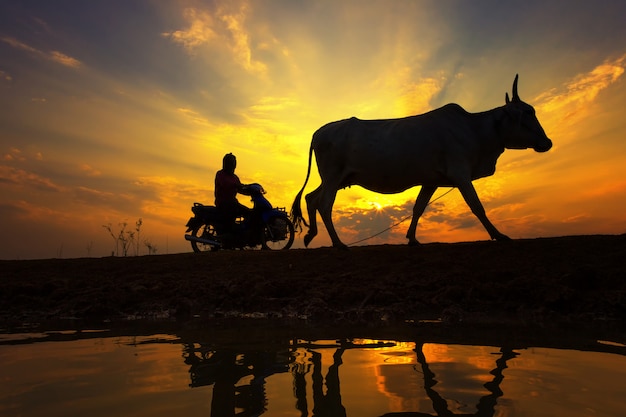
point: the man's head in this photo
(229, 163)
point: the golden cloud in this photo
(415, 97)
(194, 116)
(170, 197)
(199, 32)
(241, 45)
(581, 91)
(225, 28)
(410, 97)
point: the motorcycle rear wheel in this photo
(278, 234)
(206, 231)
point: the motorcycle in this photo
(265, 226)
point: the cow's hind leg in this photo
(421, 202)
(312, 204)
(322, 200)
(325, 207)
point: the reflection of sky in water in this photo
(96, 377)
(129, 376)
(566, 382)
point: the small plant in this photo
(152, 249)
(138, 224)
(109, 229)
(124, 239)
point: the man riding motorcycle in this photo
(227, 185)
(231, 225)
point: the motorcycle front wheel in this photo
(205, 231)
(278, 234)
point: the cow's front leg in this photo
(471, 198)
(421, 202)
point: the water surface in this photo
(100, 373)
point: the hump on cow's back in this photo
(453, 108)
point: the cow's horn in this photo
(515, 96)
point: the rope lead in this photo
(398, 223)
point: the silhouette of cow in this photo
(446, 147)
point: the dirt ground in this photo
(567, 278)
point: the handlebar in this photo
(250, 189)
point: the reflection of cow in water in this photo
(446, 147)
(324, 404)
(486, 405)
(226, 369)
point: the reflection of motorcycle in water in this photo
(265, 225)
(238, 376)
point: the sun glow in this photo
(92, 138)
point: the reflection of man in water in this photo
(224, 369)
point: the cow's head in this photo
(523, 130)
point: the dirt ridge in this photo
(569, 278)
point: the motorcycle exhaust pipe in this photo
(201, 240)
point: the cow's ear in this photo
(506, 98)
(514, 114)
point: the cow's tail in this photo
(296, 210)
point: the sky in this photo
(114, 112)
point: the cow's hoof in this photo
(307, 239)
(414, 242)
(340, 246)
(502, 238)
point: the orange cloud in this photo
(63, 59)
(169, 198)
(22, 178)
(25, 210)
(55, 56)
(89, 170)
(5, 76)
(14, 154)
(19, 45)
(609, 188)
